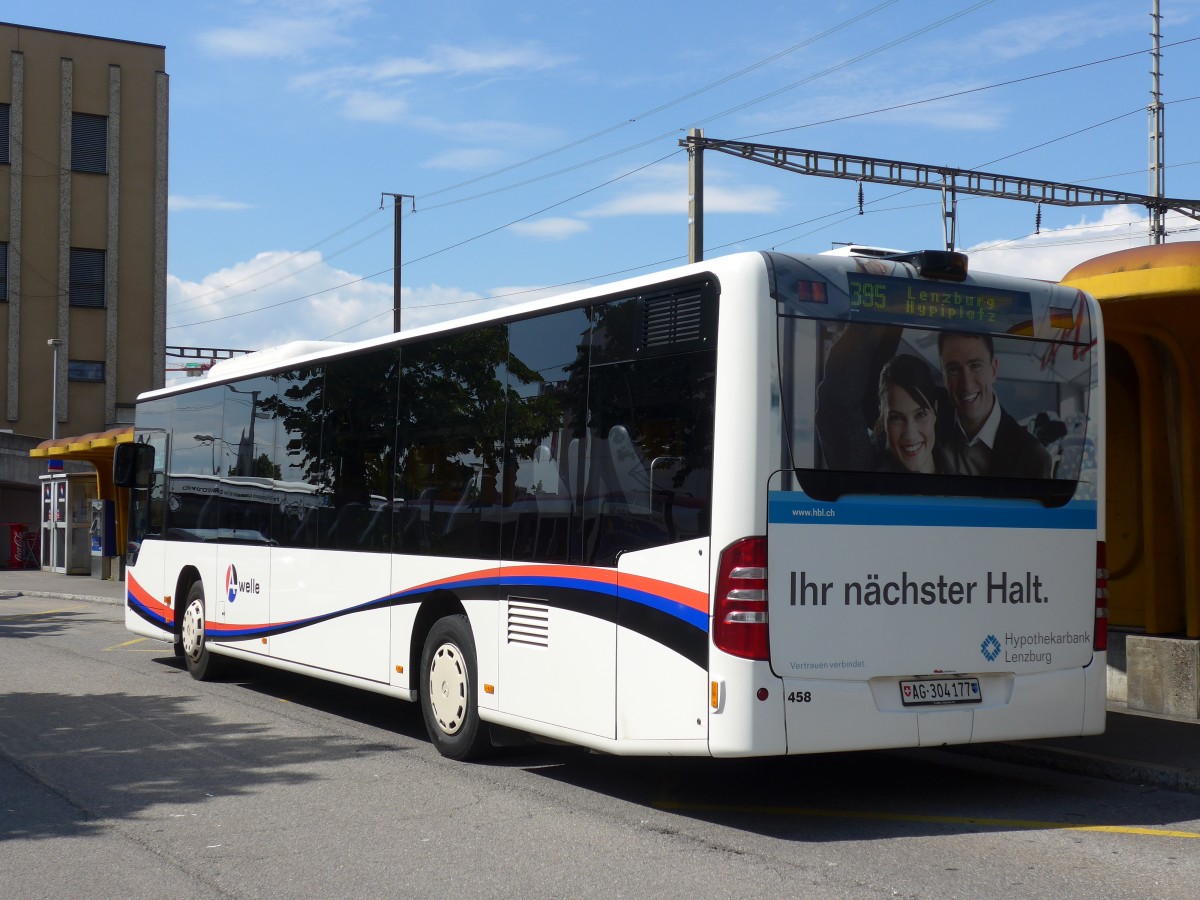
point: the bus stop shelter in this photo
(96, 449)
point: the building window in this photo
(85, 370)
(87, 278)
(5, 153)
(89, 143)
(3, 272)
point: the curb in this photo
(59, 595)
(1093, 765)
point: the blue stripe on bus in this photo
(696, 618)
(795, 508)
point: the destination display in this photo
(904, 301)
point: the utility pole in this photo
(695, 150)
(1158, 229)
(396, 198)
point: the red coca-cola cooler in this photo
(17, 546)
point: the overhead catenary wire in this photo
(741, 106)
(191, 301)
(475, 237)
(296, 253)
(656, 138)
(660, 108)
(853, 20)
(963, 93)
(857, 210)
(508, 295)
(853, 213)
(706, 120)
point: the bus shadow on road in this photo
(36, 624)
(354, 704)
(868, 795)
(68, 762)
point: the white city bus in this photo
(765, 504)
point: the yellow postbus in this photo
(1150, 301)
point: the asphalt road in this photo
(120, 776)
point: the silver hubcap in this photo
(193, 630)
(448, 688)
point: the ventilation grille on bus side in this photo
(528, 622)
(671, 319)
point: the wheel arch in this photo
(438, 606)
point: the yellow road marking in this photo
(155, 646)
(136, 640)
(671, 805)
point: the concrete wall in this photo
(19, 472)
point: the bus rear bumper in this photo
(824, 716)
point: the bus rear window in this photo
(884, 403)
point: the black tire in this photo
(201, 664)
(450, 691)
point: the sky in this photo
(539, 142)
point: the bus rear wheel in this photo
(449, 691)
(201, 664)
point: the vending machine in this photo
(103, 538)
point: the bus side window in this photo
(651, 431)
(545, 466)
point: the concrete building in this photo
(83, 239)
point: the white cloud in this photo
(551, 229)
(276, 29)
(434, 303)
(180, 203)
(1054, 252)
(271, 38)
(1050, 32)
(378, 91)
(443, 59)
(373, 106)
(278, 297)
(662, 190)
(717, 199)
(274, 298)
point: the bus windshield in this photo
(895, 384)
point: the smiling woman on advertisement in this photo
(893, 431)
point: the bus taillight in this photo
(1100, 640)
(740, 611)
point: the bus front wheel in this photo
(449, 692)
(202, 664)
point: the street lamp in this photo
(55, 343)
(211, 440)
